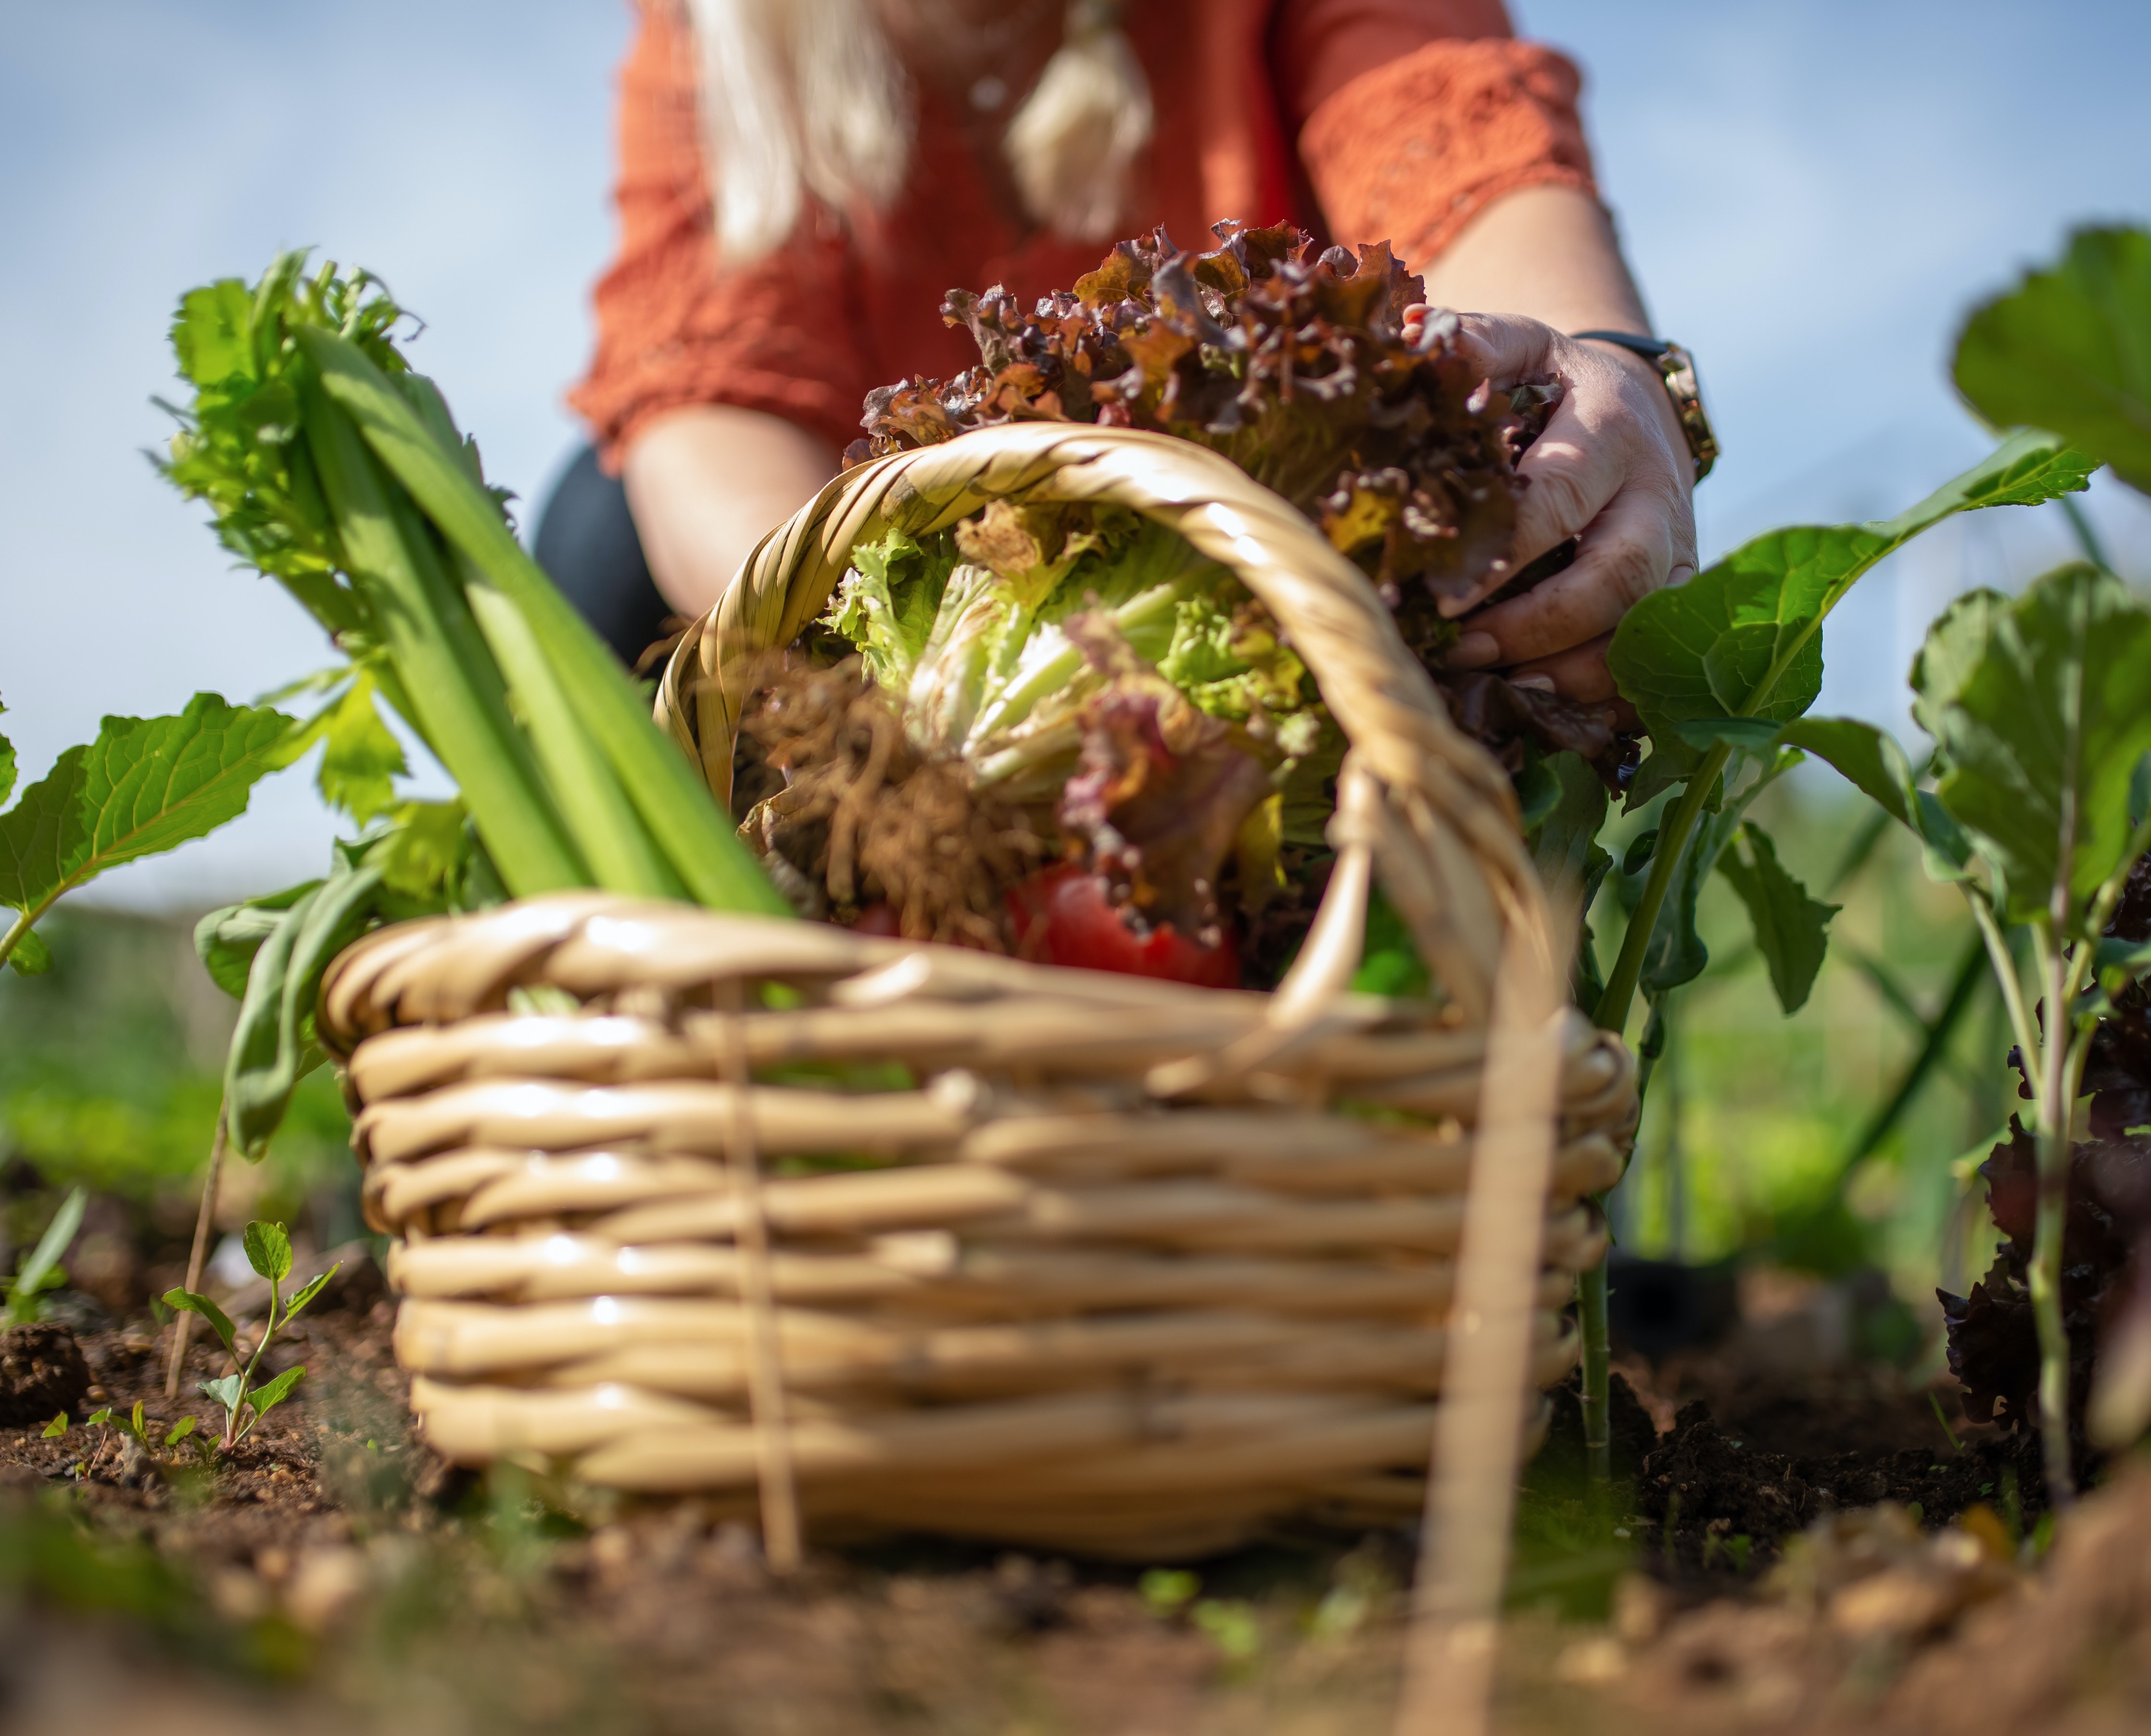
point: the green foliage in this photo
(2040, 711)
(2071, 351)
(1390, 962)
(42, 1271)
(361, 759)
(143, 786)
(1791, 929)
(269, 1253)
(1743, 638)
(110, 1079)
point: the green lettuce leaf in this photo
(2070, 349)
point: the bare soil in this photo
(334, 1572)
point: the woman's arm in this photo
(1612, 465)
(705, 483)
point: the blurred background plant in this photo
(110, 1067)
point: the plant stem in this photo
(1611, 1013)
(1612, 1009)
(1593, 1316)
(2061, 1068)
(13, 938)
(195, 1256)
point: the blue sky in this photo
(1813, 195)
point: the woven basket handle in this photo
(1427, 807)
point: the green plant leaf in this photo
(227, 1390)
(193, 1302)
(267, 1396)
(1792, 930)
(97, 1418)
(1743, 640)
(425, 856)
(43, 1262)
(2041, 710)
(6, 767)
(179, 1430)
(312, 1290)
(268, 1250)
(143, 786)
(56, 1428)
(31, 957)
(226, 940)
(1561, 842)
(359, 757)
(1871, 760)
(2070, 349)
(272, 1047)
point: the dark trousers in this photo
(587, 543)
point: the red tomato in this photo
(1081, 927)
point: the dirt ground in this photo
(1741, 1577)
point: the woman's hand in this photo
(1613, 469)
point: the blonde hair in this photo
(801, 97)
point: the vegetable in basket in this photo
(1127, 702)
(331, 467)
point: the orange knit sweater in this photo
(1362, 121)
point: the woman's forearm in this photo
(706, 484)
(1547, 252)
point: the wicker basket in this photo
(1105, 1264)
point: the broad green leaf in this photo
(1791, 929)
(31, 957)
(1743, 639)
(226, 1391)
(143, 786)
(312, 1289)
(1751, 734)
(1871, 760)
(193, 1302)
(268, 1250)
(267, 1396)
(2070, 349)
(226, 940)
(2041, 710)
(179, 1430)
(6, 767)
(359, 757)
(97, 1418)
(57, 1427)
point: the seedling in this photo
(42, 1271)
(269, 1253)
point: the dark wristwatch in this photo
(1676, 368)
